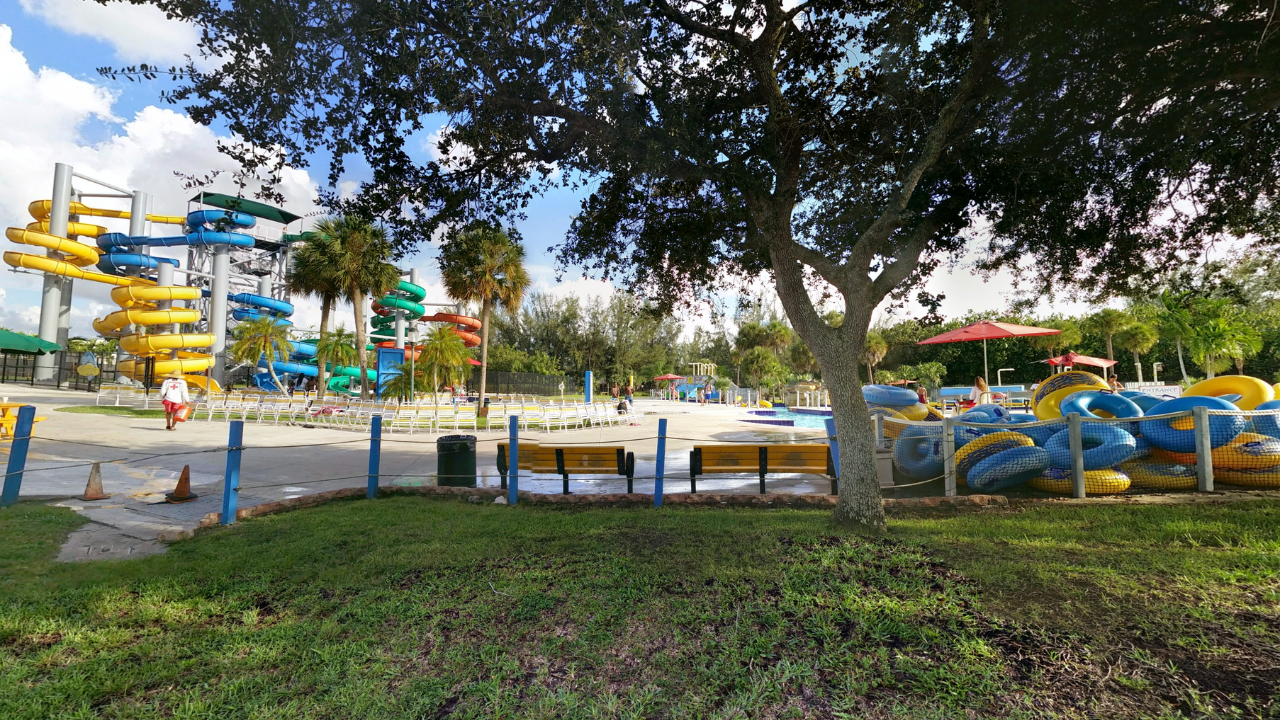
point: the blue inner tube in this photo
(889, 395)
(1039, 434)
(965, 435)
(1008, 469)
(1142, 400)
(1085, 401)
(1105, 446)
(1222, 428)
(1268, 424)
(918, 452)
(997, 412)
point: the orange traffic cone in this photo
(182, 493)
(93, 489)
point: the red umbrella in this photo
(1072, 358)
(985, 331)
(669, 376)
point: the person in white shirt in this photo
(980, 394)
(173, 394)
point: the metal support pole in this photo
(51, 297)
(1076, 444)
(660, 467)
(164, 278)
(833, 442)
(231, 478)
(513, 475)
(18, 455)
(949, 456)
(1204, 449)
(879, 421)
(587, 387)
(375, 455)
(399, 329)
(218, 309)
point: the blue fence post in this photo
(659, 471)
(833, 442)
(513, 475)
(18, 455)
(375, 455)
(588, 387)
(231, 478)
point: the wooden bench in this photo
(812, 459)
(566, 460)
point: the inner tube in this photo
(997, 412)
(1247, 451)
(934, 415)
(916, 412)
(1008, 469)
(1167, 434)
(1104, 446)
(917, 452)
(889, 396)
(1252, 391)
(1160, 475)
(987, 446)
(1267, 477)
(1039, 434)
(1045, 399)
(1085, 401)
(1143, 400)
(1268, 423)
(1096, 482)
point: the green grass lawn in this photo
(422, 608)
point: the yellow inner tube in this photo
(1252, 391)
(1049, 396)
(1247, 451)
(1160, 476)
(1096, 482)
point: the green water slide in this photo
(405, 297)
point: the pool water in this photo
(801, 420)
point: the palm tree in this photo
(1174, 320)
(363, 270)
(337, 348)
(482, 264)
(444, 353)
(317, 263)
(1138, 338)
(1107, 322)
(262, 340)
(1216, 341)
(874, 348)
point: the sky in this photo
(56, 107)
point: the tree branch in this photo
(708, 31)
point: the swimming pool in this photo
(783, 417)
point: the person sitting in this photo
(980, 394)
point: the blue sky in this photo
(59, 109)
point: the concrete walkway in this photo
(141, 461)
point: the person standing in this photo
(173, 395)
(922, 395)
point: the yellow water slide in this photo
(137, 297)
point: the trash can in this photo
(456, 461)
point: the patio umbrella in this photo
(669, 376)
(1072, 358)
(988, 331)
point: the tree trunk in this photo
(1209, 362)
(1182, 365)
(871, 375)
(362, 357)
(860, 502)
(1137, 363)
(485, 308)
(326, 307)
(1239, 366)
(271, 368)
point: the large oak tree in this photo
(840, 145)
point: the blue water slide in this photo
(219, 217)
(292, 368)
(271, 305)
(304, 350)
(118, 263)
(199, 238)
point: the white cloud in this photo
(143, 152)
(138, 33)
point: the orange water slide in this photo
(470, 339)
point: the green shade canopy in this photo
(11, 341)
(248, 207)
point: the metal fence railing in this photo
(20, 368)
(509, 383)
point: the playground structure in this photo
(235, 271)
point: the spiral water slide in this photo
(144, 299)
